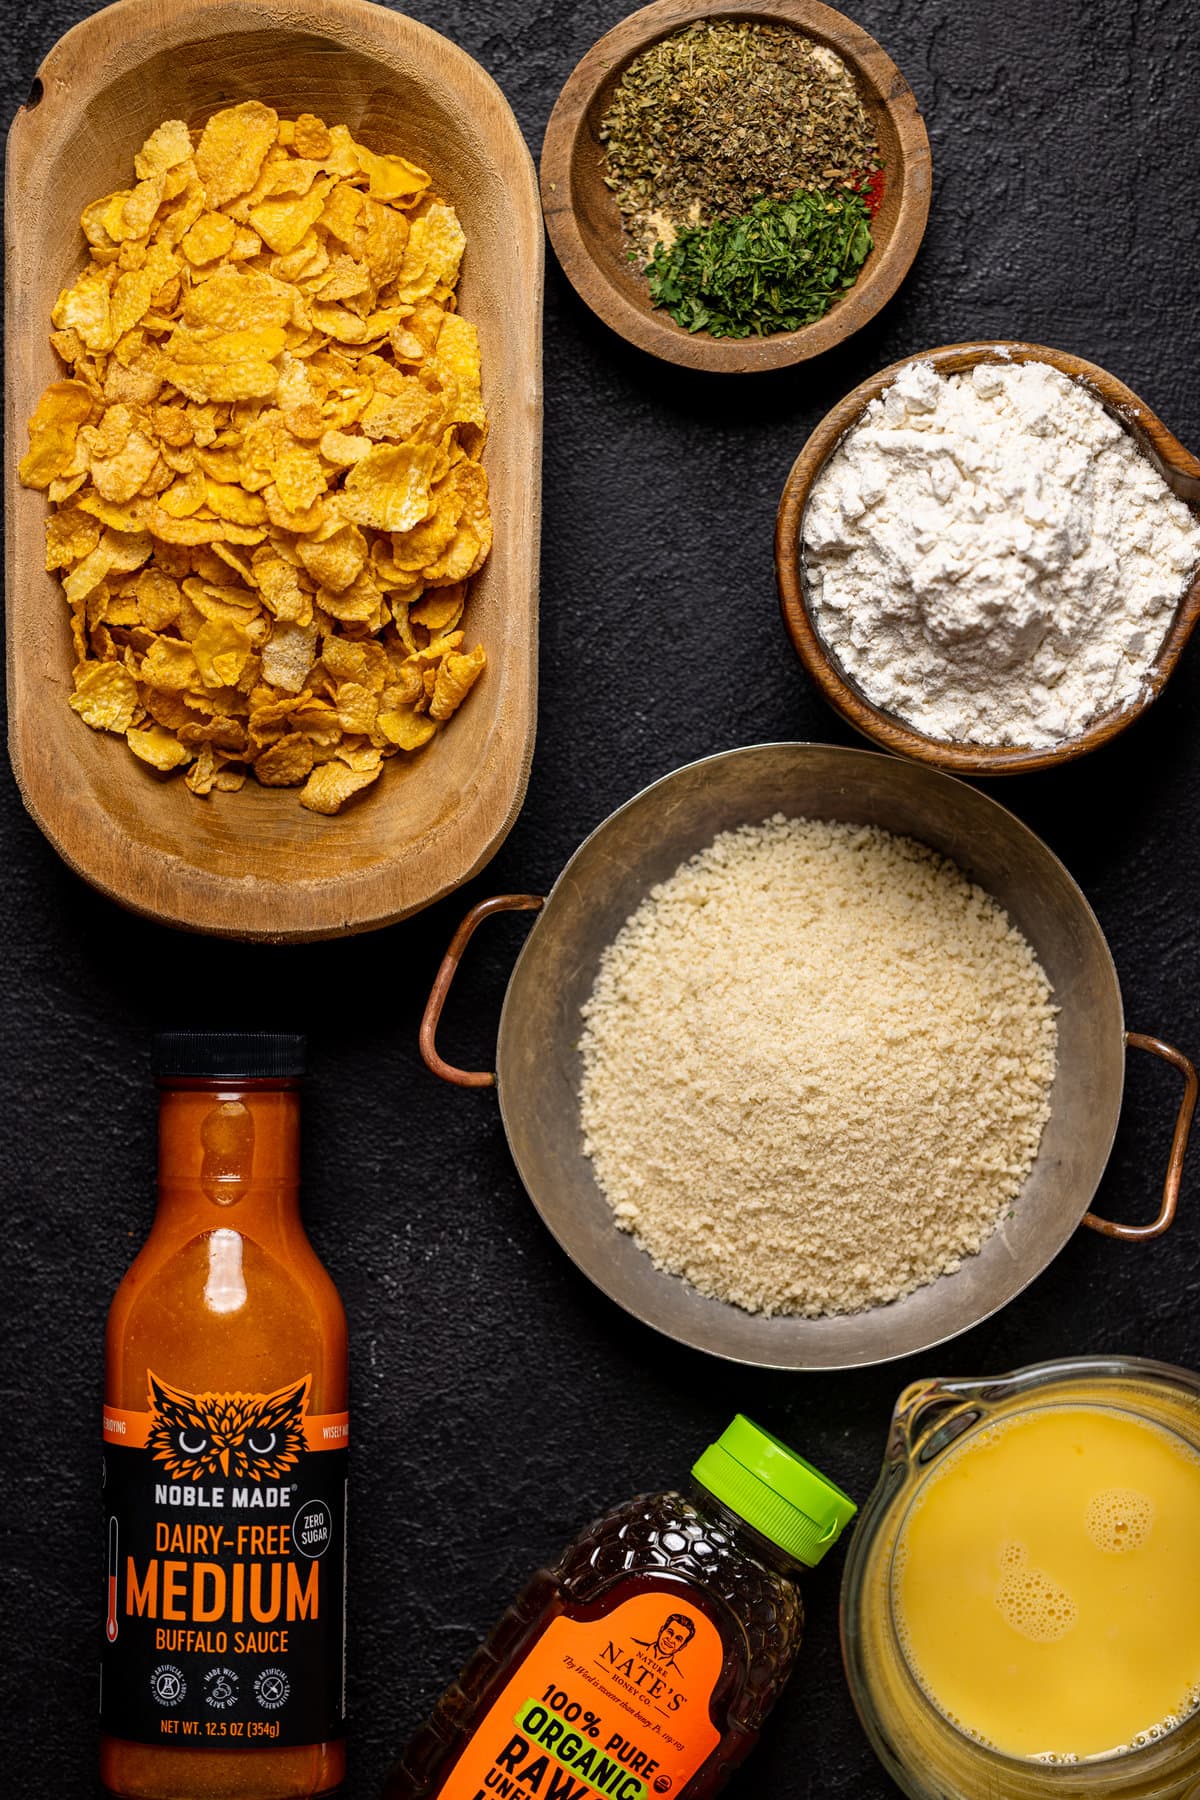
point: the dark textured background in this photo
(500, 1402)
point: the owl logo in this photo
(243, 1437)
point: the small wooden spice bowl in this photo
(255, 864)
(585, 224)
(1177, 466)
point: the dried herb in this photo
(725, 112)
(778, 267)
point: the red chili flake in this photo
(873, 191)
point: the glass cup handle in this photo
(924, 1408)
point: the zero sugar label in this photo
(225, 1577)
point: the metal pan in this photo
(643, 842)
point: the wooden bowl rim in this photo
(652, 329)
(268, 906)
(1144, 426)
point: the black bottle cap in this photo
(228, 1055)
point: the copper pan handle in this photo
(1135, 1234)
(469, 1078)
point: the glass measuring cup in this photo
(927, 1756)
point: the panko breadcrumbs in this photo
(816, 1067)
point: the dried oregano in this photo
(724, 113)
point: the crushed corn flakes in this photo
(264, 465)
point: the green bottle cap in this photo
(775, 1491)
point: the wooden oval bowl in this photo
(255, 864)
(1179, 469)
(585, 224)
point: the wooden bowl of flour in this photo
(1179, 469)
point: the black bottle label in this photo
(225, 1578)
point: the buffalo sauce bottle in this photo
(646, 1661)
(225, 1452)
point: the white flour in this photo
(990, 556)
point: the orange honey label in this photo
(608, 1708)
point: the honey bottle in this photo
(645, 1662)
(225, 1452)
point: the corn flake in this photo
(158, 747)
(286, 763)
(209, 238)
(53, 430)
(264, 458)
(221, 650)
(106, 696)
(232, 148)
(456, 676)
(288, 655)
(406, 729)
(330, 786)
(389, 488)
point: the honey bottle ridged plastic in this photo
(646, 1661)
